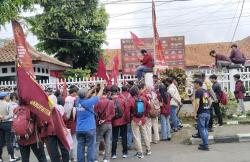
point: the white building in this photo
(45, 66)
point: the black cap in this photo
(198, 81)
(237, 76)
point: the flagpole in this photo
(154, 40)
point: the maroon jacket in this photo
(126, 113)
(238, 90)
(147, 61)
(105, 110)
(237, 57)
(165, 107)
(133, 107)
(220, 57)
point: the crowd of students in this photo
(99, 116)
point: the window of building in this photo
(34, 69)
(13, 70)
(43, 71)
(4, 70)
(47, 71)
(38, 70)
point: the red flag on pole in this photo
(115, 69)
(102, 73)
(22, 51)
(37, 100)
(158, 52)
(65, 91)
(136, 40)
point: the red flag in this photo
(136, 40)
(159, 53)
(115, 69)
(60, 128)
(22, 51)
(102, 73)
(31, 94)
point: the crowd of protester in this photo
(98, 117)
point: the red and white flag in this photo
(159, 53)
(23, 55)
(115, 69)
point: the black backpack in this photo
(118, 109)
(243, 89)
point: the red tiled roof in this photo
(8, 54)
(195, 54)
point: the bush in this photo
(231, 108)
(180, 76)
(76, 73)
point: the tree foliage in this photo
(72, 30)
(76, 73)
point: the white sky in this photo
(200, 21)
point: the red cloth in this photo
(133, 107)
(115, 69)
(136, 40)
(23, 55)
(102, 69)
(37, 101)
(126, 113)
(147, 61)
(70, 123)
(165, 107)
(238, 90)
(105, 110)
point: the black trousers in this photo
(122, 131)
(215, 108)
(37, 150)
(6, 137)
(53, 143)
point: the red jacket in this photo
(105, 110)
(237, 57)
(133, 107)
(145, 95)
(238, 90)
(147, 61)
(126, 113)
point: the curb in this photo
(222, 139)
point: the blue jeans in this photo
(140, 70)
(165, 127)
(173, 116)
(129, 135)
(203, 120)
(86, 139)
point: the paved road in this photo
(172, 152)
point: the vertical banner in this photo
(115, 69)
(23, 55)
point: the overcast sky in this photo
(200, 21)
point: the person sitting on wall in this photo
(220, 60)
(147, 64)
(236, 56)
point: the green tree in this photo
(72, 30)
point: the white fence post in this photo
(232, 72)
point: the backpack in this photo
(155, 107)
(118, 109)
(139, 108)
(223, 98)
(23, 125)
(243, 88)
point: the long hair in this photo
(163, 93)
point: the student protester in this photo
(174, 103)
(239, 94)
(70, 118)
(86, 123)
(139, 109)
(164, 98)
(119, 123)
(33, 142)
(216, 103)
(105, 111)
(220, 59)
(147, 63)
(60, 100)
(6, 115)
(125, 95)
(202, 110)
(236, 56)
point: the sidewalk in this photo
(227, 134)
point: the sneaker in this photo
(12, 160)
(148, 152)
(196, 136)
(114, 157)
(124, 156)
(105, 160)
(169, 139)
(139, 155)
(201, 147)
(96, 161)
(1, 160)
